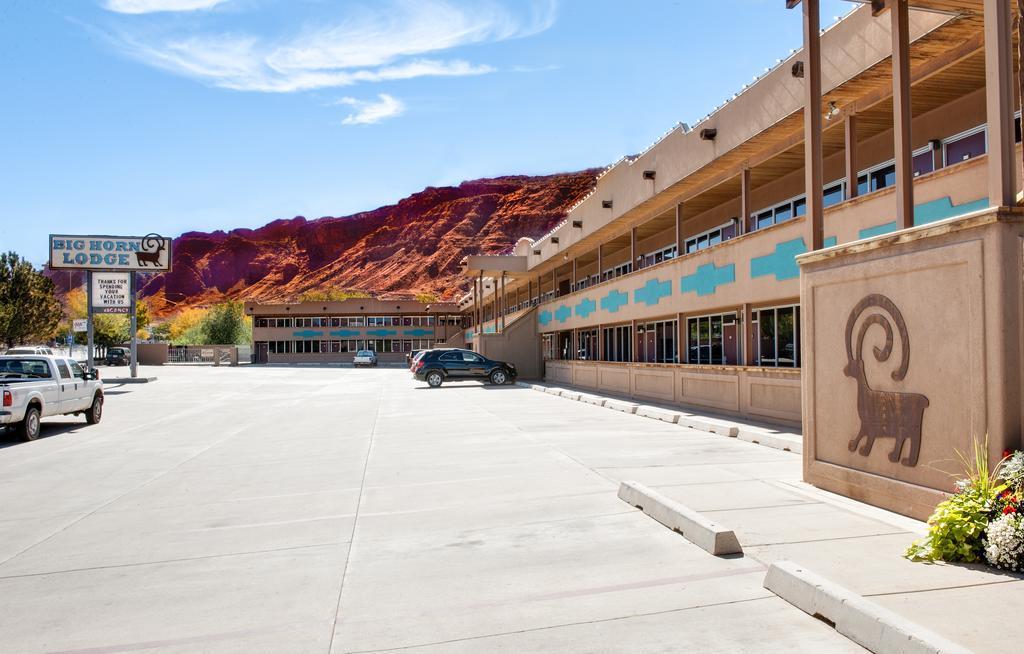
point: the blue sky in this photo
(136, 116)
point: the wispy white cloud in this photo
(387, 43)
(153, 6)
(369, 112)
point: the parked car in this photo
(437, 366)
(118, 356)
(365, 358)
(30, 349)
(415, 356)
(33, 387)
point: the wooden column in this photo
(746, 335)
(745, 208)
(679, 229)
(850, 128)
(600, 261)
(632, 248)
(574, 268)
(813, 176)
(899, 14)
(1002, 178)
(504, 301)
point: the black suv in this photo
(118, 356)
(436, 366)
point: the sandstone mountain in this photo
(411, 247)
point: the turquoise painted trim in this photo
(562, 313)
(652, 292)
(782, 262)
(707, 278)
(417, 332)
(544, 318)
(614, 301)
(927, 213)
(489, 329)
(307, 333)
(382, 332)
(345, 333)
(586, 307)
(469, 335)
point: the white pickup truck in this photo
(33, 387)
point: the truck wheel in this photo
(499, 378)
(434, 379)
(28, 428)
(95, 412)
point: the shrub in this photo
(956, 530)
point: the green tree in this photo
(226, 324)
(330, 295)
(29, 309)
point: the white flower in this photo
(1004, 542)
(962, 485)
(1013, 470)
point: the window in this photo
(712, 340)
(262, 322)
(469, 357)
(565, 345)
(548, 346)
(965, 146)
(587, 348)
(65, 372)
(618, 343)
(924, 161)
(832, 195)
(711, 237)
(356, 321)
(656, 342)
(617, 271)
(656, 257)
(778, 343)
(451, 356)
(279, 347)
(76, 369)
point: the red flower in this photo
(1007, 454)
(1008, 510)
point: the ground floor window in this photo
(712, 340)
(279, 347)
(565, 346)
(587, 339)
(547, 343)
(618, 343)
(656, 342)
(778, 336)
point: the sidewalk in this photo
(778, 517)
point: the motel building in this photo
(854, 270)
(332, 332)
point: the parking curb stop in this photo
(696, 528)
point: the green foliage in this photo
(956, 530)
(161, 332)
(330, 295)
(426, 298)
(29, 310)
(225, 324)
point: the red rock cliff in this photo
(411, 247)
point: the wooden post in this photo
(504, 301)
(813, 175)
(1002, 178)
(900, 18)
(632, 249)
(850, 128)
(600, 261)
(679, 229)
(745, 209)
(573, 288)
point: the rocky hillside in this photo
(411, 247)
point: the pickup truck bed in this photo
(33, 387)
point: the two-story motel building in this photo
(332, 332)
(676, 279)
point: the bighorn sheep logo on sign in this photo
(884, 414)
(152, 246)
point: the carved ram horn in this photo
(894, 317)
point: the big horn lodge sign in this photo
(150, 253)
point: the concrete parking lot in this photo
(340, 510)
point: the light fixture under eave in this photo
(578, 224)
(649, 174)
(554, 239)
(606, 204)
(797, 70)
(708, 134)
(833, 110)
(536, 252)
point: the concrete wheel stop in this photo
(696, 528)
(864, 622)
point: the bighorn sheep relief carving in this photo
(883, 414)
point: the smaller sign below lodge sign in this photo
(126, 253)
(111, 292)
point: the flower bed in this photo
(983, 521)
